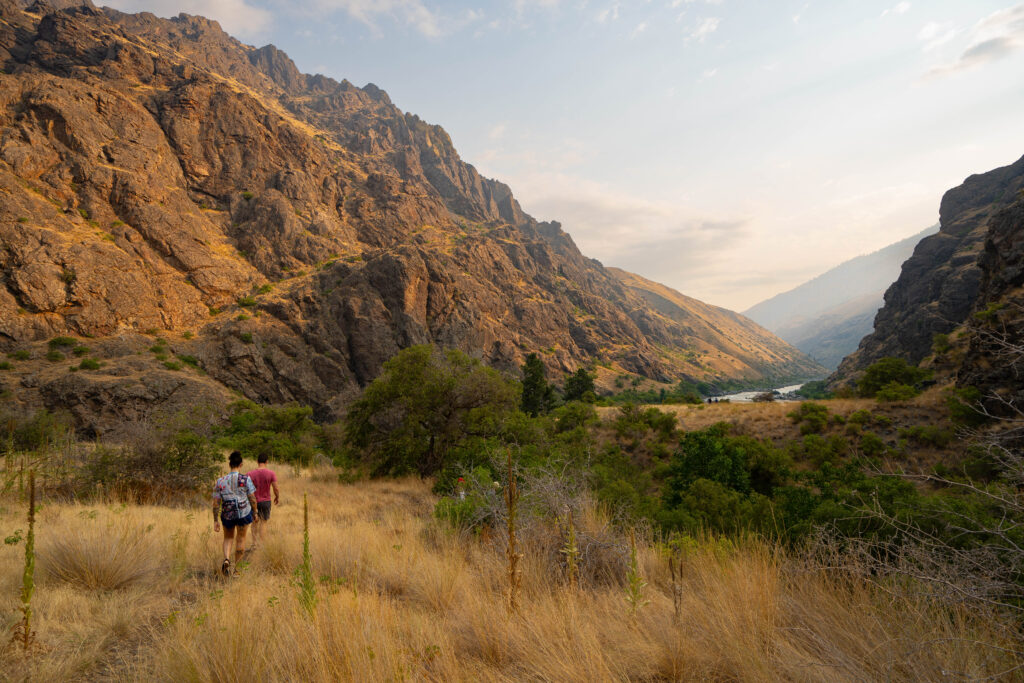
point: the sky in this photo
(729, 149)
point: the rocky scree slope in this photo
(284, 232)
(939, 285)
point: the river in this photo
(748, 396)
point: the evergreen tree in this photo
(578, 385)
(536, 392)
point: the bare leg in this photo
(229, 540)
(240, 546)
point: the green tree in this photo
(423, 406)
(888, 371)
(579, 386)
(537, 393)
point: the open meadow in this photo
(128, 592)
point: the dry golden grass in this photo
(400, 597)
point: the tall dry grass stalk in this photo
(28, 583)
(514, 557)
(304, 573)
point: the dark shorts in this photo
(263, 509)
(232, 523)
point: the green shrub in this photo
(815, 390)
(889, 371)
(860, 417)
(247, 195)
(241, 317)
(20, 354)
(80, 350)
(58, 342)
(812, 417)
(54, 356)
(895, 391)
(89, 364)
(928, 435)
(246, 337)
(247, 301)
(6, 365)
(188, 360)
(285, 432)
(172, 365)
(187, 334)
(158, 348)
(940, 343)
(965, 407)
(871, 444)
(265, 288)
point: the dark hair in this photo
(235, 459)
(261, 458)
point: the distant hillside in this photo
(828, 316)
(722, 343)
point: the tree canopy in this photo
(423, 405)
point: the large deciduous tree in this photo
(424, 404)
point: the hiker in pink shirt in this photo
(265, 480)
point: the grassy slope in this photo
(406, 599)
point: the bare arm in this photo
(277, 493)
(216, 513)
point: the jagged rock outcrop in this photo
(994, 360)
(939, 284)
(287, 232)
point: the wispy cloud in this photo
(237, 17)
(610, 13)
(704, 28)
(640, 28)
(934, 34)
(897, 9)
(413, 13)
(995, 37)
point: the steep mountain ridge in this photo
(827, 316)
(938, 286)
(286, 231)
(725, 342)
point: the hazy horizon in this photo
(729, 150)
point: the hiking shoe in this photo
(225, 568)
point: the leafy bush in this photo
(32, 431)
(58, 342)
(6, 365)
(54, 356)
(284, 432)
(812, 417)
(247, 195)
(928, 435)
(889, 371)
(895, 391)
(247, 301)
(20, 354)
(246, 337)
(80, 350)
(89, 364)
(965, 407)
(871, 444)
(814, 390)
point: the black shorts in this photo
(232, 523)
(263, 509)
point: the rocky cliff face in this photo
(939, 284)
(286, 233)
(994, 361)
